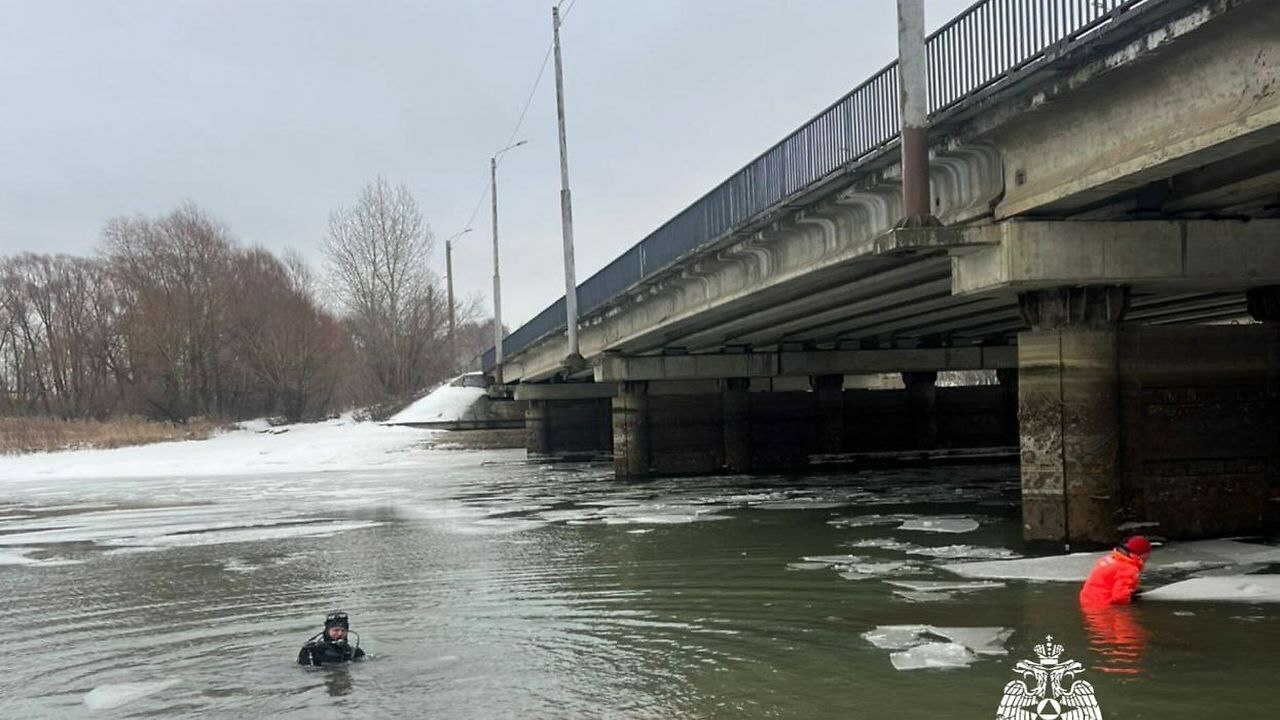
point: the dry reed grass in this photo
(32, 434)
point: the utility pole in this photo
(497, 282)
(913, 78)
(453, 324)
(573, 360)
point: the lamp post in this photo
(448, 273)
(497, 282)
(573, 359)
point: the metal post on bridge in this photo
(913, 80)
(573, 359)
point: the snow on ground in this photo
(1241, 588)
(446, 403)
(341, 444)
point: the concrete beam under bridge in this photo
(802, 363)
(1221, 255)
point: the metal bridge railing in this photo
(976, 50)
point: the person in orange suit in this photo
(1114, 579)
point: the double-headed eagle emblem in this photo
(1048, 699)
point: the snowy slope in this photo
(341, 444)
(446, 403)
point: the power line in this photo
(533, 91)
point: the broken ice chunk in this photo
(941, 525)
(933, 655)
(943, 585)
(1226, 588)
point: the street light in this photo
(448, 273)
(497, 283)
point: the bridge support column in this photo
(922, 404)
(631, 431)
(537, 431)
(829, 392)
(1069, 413)
(735, 408)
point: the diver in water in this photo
(331, 645)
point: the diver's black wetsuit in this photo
(323, 652)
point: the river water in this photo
(488, 587)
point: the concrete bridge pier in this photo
(735, 413)
(922, 407)
(631, 459)
(828, 393)
(567, 420)
(1069, 412)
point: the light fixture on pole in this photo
(573, 359)
(448, 273)
(497, 282)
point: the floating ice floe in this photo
(1076, 566)
(1225, 588)
(927, 646)
(933, 655)
(808, 566)
(834, 559)
(919, 596)
(106, 697)
(940, 525)
(937, 590)
(864, 571)
(952, 552)
(944, 585)
(870, 520)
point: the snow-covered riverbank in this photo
(255, 447)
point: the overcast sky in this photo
(270, 113)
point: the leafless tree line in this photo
(172, 319)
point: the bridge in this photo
(1104, 238)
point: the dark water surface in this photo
(491, 588)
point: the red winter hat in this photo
(1138, 545)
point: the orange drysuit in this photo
(1113, 580)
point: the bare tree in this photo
(378, 252)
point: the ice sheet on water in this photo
(1224, 588)
(798, 504)
(808, 566)
(883, 544)
(1075, 567)
(933, 655)
(920, 646)
(106, 697)
(944, 585)
(940, 525)
(951, 552)
(834, 559)
(864, 571)
(915, 596)
(857, 521)
(954, 552)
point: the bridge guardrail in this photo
(974, 51)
